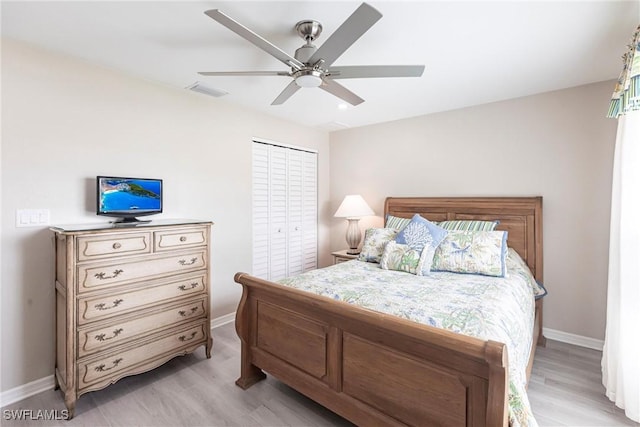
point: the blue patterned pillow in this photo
(422, 235)
(474, 252)
(375, 239)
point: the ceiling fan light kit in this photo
(311, 66)
(308, 78)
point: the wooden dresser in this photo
(128, 299)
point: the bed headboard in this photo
(520, 216)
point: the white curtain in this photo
(621, 354)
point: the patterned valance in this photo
(626, 96)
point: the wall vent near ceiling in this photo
(200, 88)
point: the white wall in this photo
(64, 121)
(558, 145)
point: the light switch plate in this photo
(32, 217)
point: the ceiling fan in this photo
(311, 66)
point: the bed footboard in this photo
(369, 367)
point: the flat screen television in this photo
(128, 198)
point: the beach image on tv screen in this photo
(129, 194)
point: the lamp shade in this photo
(353, 206)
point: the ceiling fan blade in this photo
(286, 93)
(341, 92)
(355, 26)
(243, 73)
(252, 37)
(366, 71)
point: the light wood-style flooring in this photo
(565, 390)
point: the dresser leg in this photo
(208, 347)
(70, 403)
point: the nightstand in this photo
(342, 256)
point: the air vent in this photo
(206, 90)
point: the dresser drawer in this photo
(105, 246)
(105, 369)
(107, 275)
(185, 238)
(101, 337)
(93, 308)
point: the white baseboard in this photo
(574, 339)
(223, 320)
(26, 390)
(19, 393)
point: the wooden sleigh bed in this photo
(377, 369)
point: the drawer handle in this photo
(191, 312)
(103, 368)
(116, 245)
(116, 332)
(102, 306)
(184, 261)
(184, 338)
(186, 288)
(183, 239)
(103, 276)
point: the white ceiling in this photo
(475, 52)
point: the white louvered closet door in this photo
(284, 211)
(309, 211)
(260, 207)
(277, 213)
(294, 212)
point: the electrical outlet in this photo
(32, 217)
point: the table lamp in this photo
(353, 207)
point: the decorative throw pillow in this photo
(375, 239)
(400, 257)
(475, 252)
(469, 225)
(422, 235)
(396, 222)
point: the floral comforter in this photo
(501, 309)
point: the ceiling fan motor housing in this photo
(305, 52)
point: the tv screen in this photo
(127, 198)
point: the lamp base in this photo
(353, 236)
